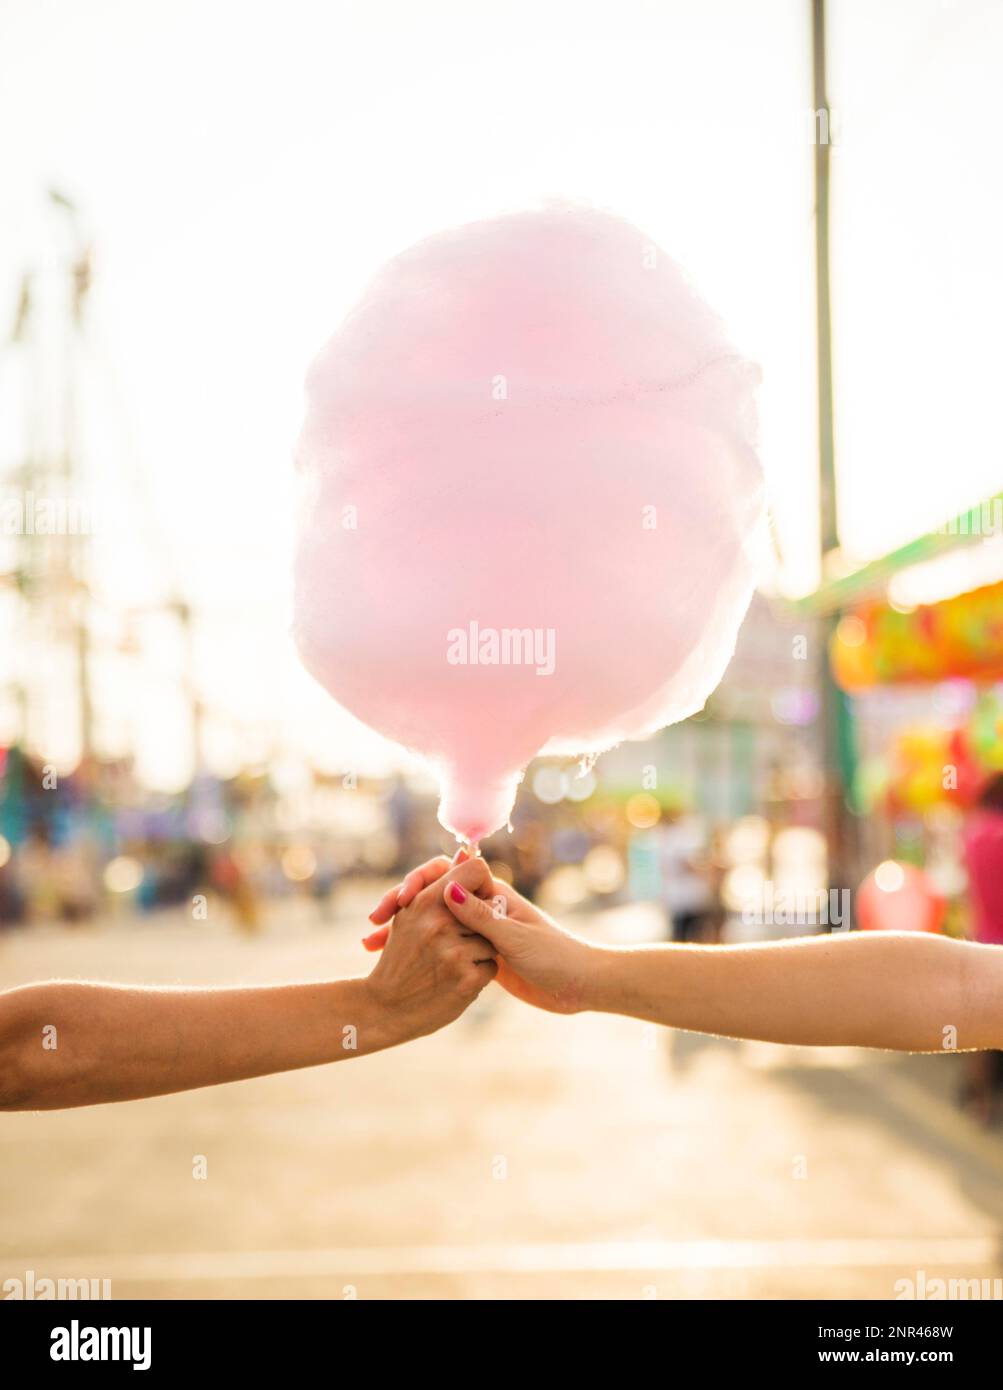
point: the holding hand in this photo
(908, 991)
(539, 962)
(405, 892)
(432, 967)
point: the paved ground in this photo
(515, 1155)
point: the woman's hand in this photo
(566, 963)
(404, 893)
(407, 890)
(538, 961)
(432, 967)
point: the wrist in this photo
(606, 987)
(377, 1025)
(390, 1021)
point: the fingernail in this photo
(372, 917)
(457, 893)
(461, 856)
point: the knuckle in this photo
(473, 873)
(428, 897)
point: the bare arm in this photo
(67, 1043)
(904, 991)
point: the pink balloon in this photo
(532, 504)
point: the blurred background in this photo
(191, 196)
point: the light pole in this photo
(835, 718)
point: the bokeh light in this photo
(643, 811)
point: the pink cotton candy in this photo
(532, 506)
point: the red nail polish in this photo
(457, 893)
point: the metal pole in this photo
(826, 439)
(836, 732)
(79, 273)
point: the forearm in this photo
(905, 992)
(68, 1044)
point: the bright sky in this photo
(244, 167)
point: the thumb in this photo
(486, 917)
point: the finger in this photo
(473, 872)
(422, 877)
(395, 897)
(478, 879)
(484, 917)
(386, 907)
(484, 973)
(474, 876)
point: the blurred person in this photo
(36, 881)
(227, 876)
(323, 885)
(74, 879)
(901, 991)
(402, 815)
(686, 890)
(11, 901)
(983, 851)
(122, 1042)
(983, 846)
(715, 868)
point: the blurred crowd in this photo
(94, 841)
